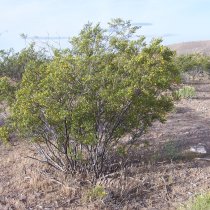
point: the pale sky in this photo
(173, 20)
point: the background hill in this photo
(192, 47)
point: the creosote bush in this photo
(78, 106)
(193, 66)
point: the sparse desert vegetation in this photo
(110, 123)
(165, 178)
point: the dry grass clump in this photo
(28, 184)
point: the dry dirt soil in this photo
(166, 176)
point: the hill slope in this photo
(192, 47)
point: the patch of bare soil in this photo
(162, 174)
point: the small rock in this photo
(23, 198)
(200, 148)
(3, 200)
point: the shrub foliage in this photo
(78, 106)
(194, 65)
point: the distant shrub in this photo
(185, 92)
(196, 62)
(13, 65)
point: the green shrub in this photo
(193, 62)
(97, 192)
(4, 134)
(13, 65)
(201, 202)
(83, 101)
(185, 92)
(168, 152)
